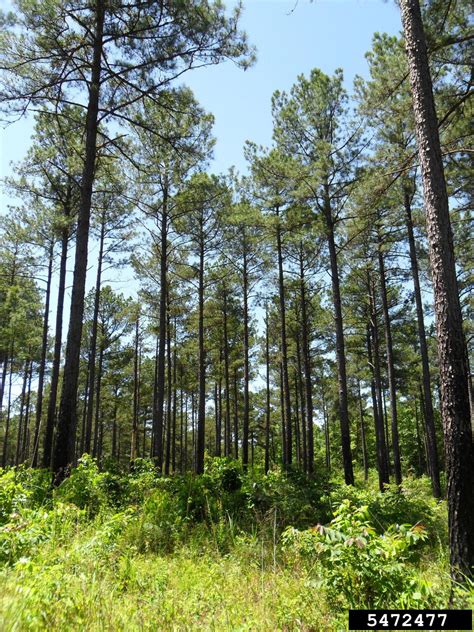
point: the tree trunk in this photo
(64, 452)
(246, 416)
(288, 439)
(307, 369)
(268, 409)
(175, 402)
(451, 344)
(304, 408)
(93, 344)
(19, 437)
(134, 438)
(201, 429)
(374, 362)
(7, 422)
(427, 399)
(97, 429)
(365, 460)
(236, 417)
(42, 365)
(340, 353)
(169, 396)
(26, 431)
(53, 391)
(227, 433)
(390, 369)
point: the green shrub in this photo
(297, 499)
(159, 525)
(22, 487)
(85, 487)
(367, 568)
(30, 528)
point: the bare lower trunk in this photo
(451, 343)
(42, 365)
(64, 452)
(427, 399)
(390, 370)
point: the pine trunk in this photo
(452, 354)
(64, 451)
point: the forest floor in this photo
(110, 551)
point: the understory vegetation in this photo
(225, 550)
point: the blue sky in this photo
(291, 37)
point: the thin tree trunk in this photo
(268, 409)
(304, 408)
(374, 362)
(97, 436)
(228, 439)
(327, 440)
(93, 343)
(134, 438)
(26, 431)
(246, 415)
(201, 429)
(307, 369)
(283, 420)
(53, 391)
(169, 396)
(114, 425)
(42, 365)
(173, 433)
(340, 352)
(64, 451)
(7, 422)
(365, 460)
(158, 408)
(236, 417)
(288, 439)
(427, 399)
(390, 369)
(21, 416)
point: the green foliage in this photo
(367, 568)
(22, 487)
(26, 531)
(85, 487)
(412, 504)
(295, 498)
(159, 525)
(190, 548)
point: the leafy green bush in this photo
(367, 568)
(159, 525)
(27, 530)
(85, 487)
(410, 504)
(22, 487)
(294, 497)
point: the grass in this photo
(139, 553)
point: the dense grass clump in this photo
(226, 550)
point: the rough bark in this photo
(308, 382)
(158, 408)
(93, 342)
(452, 354)
(64, 451)
(390, 370)
(246, 412)
(56, 367)
(201, 362)
(340, 353)
(42, 365)
(288, 438)
(427, 399)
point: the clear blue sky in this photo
(291, 38)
